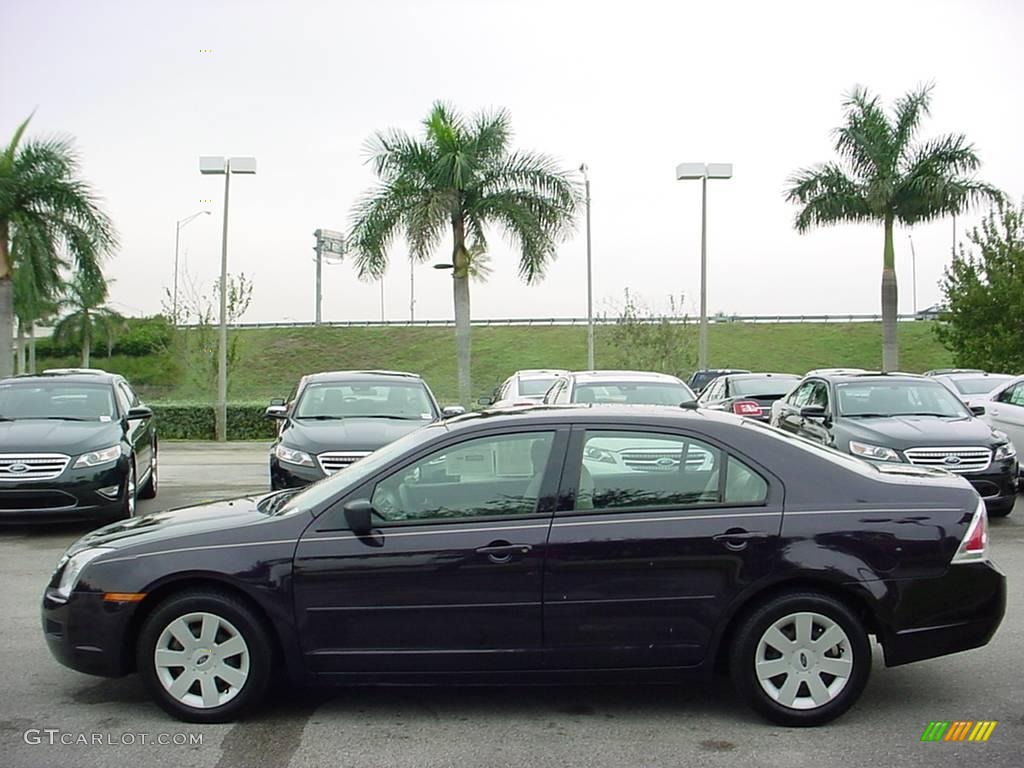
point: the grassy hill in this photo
(273, 359)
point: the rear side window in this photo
(644, 470)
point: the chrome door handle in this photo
(501, 552)
(737, 540)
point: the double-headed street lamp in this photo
(703, 171)
(177, 238)
(225, 166)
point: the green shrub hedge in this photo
(195, 421)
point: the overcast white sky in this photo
(630, 88)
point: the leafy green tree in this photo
(53, 212)
(983, 325)
(644, 339)
(886, 174)
(461, 177)
(88, 319)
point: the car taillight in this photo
(974, 547)
(746, 408)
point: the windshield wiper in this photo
(867, 415)
(66, 418)
(389, 416)
(321, 417)
(929, 413)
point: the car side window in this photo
(133, 399)
(1013, 395)
(643, 470)
(484, 477)
(819, 395)
(123, 400)
(801, 394)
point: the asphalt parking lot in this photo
(592, 726)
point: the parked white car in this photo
(526, 387)
(1004, 410)
(973, 387)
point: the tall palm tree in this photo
(886, 174)
(37, 285)
(462, 177)
(88, 316)
(43, 199)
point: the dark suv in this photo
(335, 418)
(904, 418)
(75, 445)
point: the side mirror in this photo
(140, 412)
(452, 410)
(485, 400)
(978, 410)
(276, 412)
(813, 412)
(277, 401)
(358, 516)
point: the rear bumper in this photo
(955, 612)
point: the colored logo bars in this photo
(958, 730)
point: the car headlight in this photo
(74, 567)
(102, 456)
(599, 454)
(1005, 451)
(293, 456)
(875, 452)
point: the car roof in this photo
(972, 375)
(78, 378)
(744, 376)
(589, 412)
(597, 376)
(721, 371)
(947, 371)
(370, 375)
(528, 373)
(872, 375)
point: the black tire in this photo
(149, 490)
(744, 652)
(249, 626)
(1001, 511)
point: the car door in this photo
(789, 412)
(659, 530)
(451, 577)
(1006, 412)
(139, 433)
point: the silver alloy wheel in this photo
(130, 490)
(153, 476)
(804, 660)
(201, 660)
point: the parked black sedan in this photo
(74, 446)
(502, 547)
(894, 418)
(747, 394)
(336, 418)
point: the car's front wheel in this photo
(149, 490)
(801, 659)
(205, 657)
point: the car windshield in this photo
(898, 398)
(63, 400)
(535, 387)
(774, 386)
(633, 393)
(980, 385)
(369, 399)
(313, 495)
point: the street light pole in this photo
(226, 166)
(590, 283)
(177, 238)
(703, 171)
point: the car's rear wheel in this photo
(801, 659)
(205, 657)
(148, 491)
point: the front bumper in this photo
(87, 633)
(997, 485)
(74, 495)
(285, 475)
(957, 611)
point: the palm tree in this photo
(53, 211)
(461, 177)
(37, 285)
(886, 174)
(88, 316)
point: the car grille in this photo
(332, 461)
(31, 466)
(663, 461)
(952, 459)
